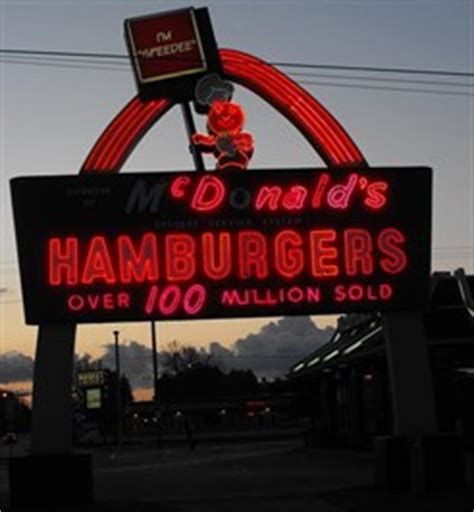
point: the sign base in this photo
(39, 480)
(431, 462)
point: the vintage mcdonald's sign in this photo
(95, 248)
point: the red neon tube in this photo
(313, 121)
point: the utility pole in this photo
(154, 345)
(157, 419)
(118, 390)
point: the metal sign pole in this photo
(191, 130)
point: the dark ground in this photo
(276, 476)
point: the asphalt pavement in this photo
(276, 476)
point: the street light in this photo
(118, 390)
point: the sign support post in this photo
(417, 455)
(33, 479)
(52, 388)
(410, 374)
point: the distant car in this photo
(9, 438)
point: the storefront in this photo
(350, 400)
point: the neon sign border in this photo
(314, 122)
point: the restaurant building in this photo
(346, 381)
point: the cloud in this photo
(269, 352)
(135, 362)
(272, 350)
(15, 367)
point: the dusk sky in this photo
(52, 114)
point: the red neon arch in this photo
(314, 122)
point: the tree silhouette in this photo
(178, 359)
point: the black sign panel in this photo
(95, 248)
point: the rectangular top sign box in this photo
(171, 51)
(186, 245)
